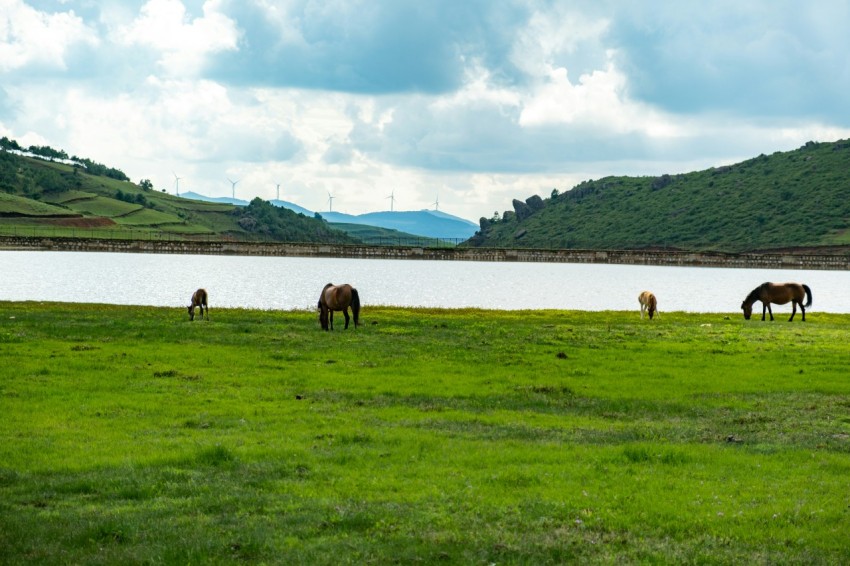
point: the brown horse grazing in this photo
(199, 299)
(338, 298)
(780, 294)
(647, 303)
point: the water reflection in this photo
(294, 283)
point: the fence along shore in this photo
(766, 260)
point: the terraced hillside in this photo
(47, 198)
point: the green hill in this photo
(796, 199)
(81, 198)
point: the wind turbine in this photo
(392, 200)
(176, 183)
(330, 202)
(278, 191)
(437, 203)
(233, 185)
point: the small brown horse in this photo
(199, 299)
(648, 303)
(780, 294)
(338, 298)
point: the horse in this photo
(199, 299)
(338, 298)
(648, 303)
(780, 294)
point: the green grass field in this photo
(12, 204)
(130, 435)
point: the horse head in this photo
(748, 310)
(323, 315)
(191, 312)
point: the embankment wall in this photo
(636, 257)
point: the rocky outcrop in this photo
(535, 203)
(521, 209)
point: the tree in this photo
(146, 185)
(6, 143)
(48, 152)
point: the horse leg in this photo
(802, 311)
(793, 310)
(345, 313)
(331, 317)
(642, 307)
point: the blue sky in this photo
(469, 102)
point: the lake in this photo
(294, 283)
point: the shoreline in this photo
(758, 260)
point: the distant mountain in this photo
(292, 206)
(426, 223)
(204, 198)
(239, 202)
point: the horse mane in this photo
(322, 295)
(755, 294)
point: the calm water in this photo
(295, 283)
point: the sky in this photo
(463, 105)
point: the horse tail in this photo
(808, 294)
(355, 306)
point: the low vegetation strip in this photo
(25, 237)
(130, 435)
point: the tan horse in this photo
(199, 299)
(648, 303)
(779, 294)
(338, 298)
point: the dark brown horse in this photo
(780, 294)
(199, 299)
(338, 298)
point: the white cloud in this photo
(29, 37)
(183, 44)
(599, 101)
(517, 97)
(548, 37)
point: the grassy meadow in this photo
(130, 435)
